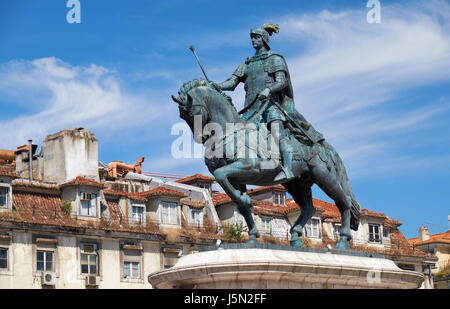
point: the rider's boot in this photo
(286, 155)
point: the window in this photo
(138, 213)
(3, 258)
(336, 228)
(132, 270)
(312, 228)
(4, 194)
(279, 198)
(131, 260)
(89, 259)
(385, 232)
(88, 204)
(206, 186)
(196, 217)
(374, 233)
(169, 213)
(170, 256)
(266, 225)
(44, 260)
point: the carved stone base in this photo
(257, 266)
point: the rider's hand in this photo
(264, 94)
(216, 86)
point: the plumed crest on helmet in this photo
(271, 28)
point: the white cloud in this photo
(348, 78)
(57, 95)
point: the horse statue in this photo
(316, 163)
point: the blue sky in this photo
(378, 92)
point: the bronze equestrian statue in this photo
(306, 158)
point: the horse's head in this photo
(192, 107)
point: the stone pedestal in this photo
(244, 266)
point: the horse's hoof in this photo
(252, 240)
(297, 243)
(342, 244)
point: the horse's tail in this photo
(355, 215)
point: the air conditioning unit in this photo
(92, 281)
(48, 278)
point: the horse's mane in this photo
(186, 87)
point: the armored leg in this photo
(286, 152)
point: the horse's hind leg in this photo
(343, 202)
(301, 193)
(243, 202)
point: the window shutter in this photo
(173, 214)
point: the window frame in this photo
(135, 205)
(169, 215)
(6, 258)
(200, 213)
(96, 250)
(138, 257)
(380, 233)
(279, 198)
(8, 196)
(265, 220)
(310, 224)
(95, 207)
(44, 261)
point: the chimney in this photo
(30, 157)
(424, 233)
(70, 153)
(448, 217)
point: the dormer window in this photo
(374, 233)
(279, 198)
(88, 204)
(138, 213)
(169, 213)
(195, 217)
(206, 186)
(312, 228)
(4, 197)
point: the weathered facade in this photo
(438, 244)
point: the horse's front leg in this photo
(242, 170)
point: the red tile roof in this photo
(435, 238)
(45, 209)
(25, 183)
(263, 208)
(220, 198)
(401, 246)
(372, 213)
(193, 203)
(162, 191)
(8, 171)
(196, 178)
(391, 223)
(259, 207)
(133, 196)
(82, 181)
(259, 190)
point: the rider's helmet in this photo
(265, 32)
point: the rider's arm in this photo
(280, 82)
(229, 84)
(234, 80)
